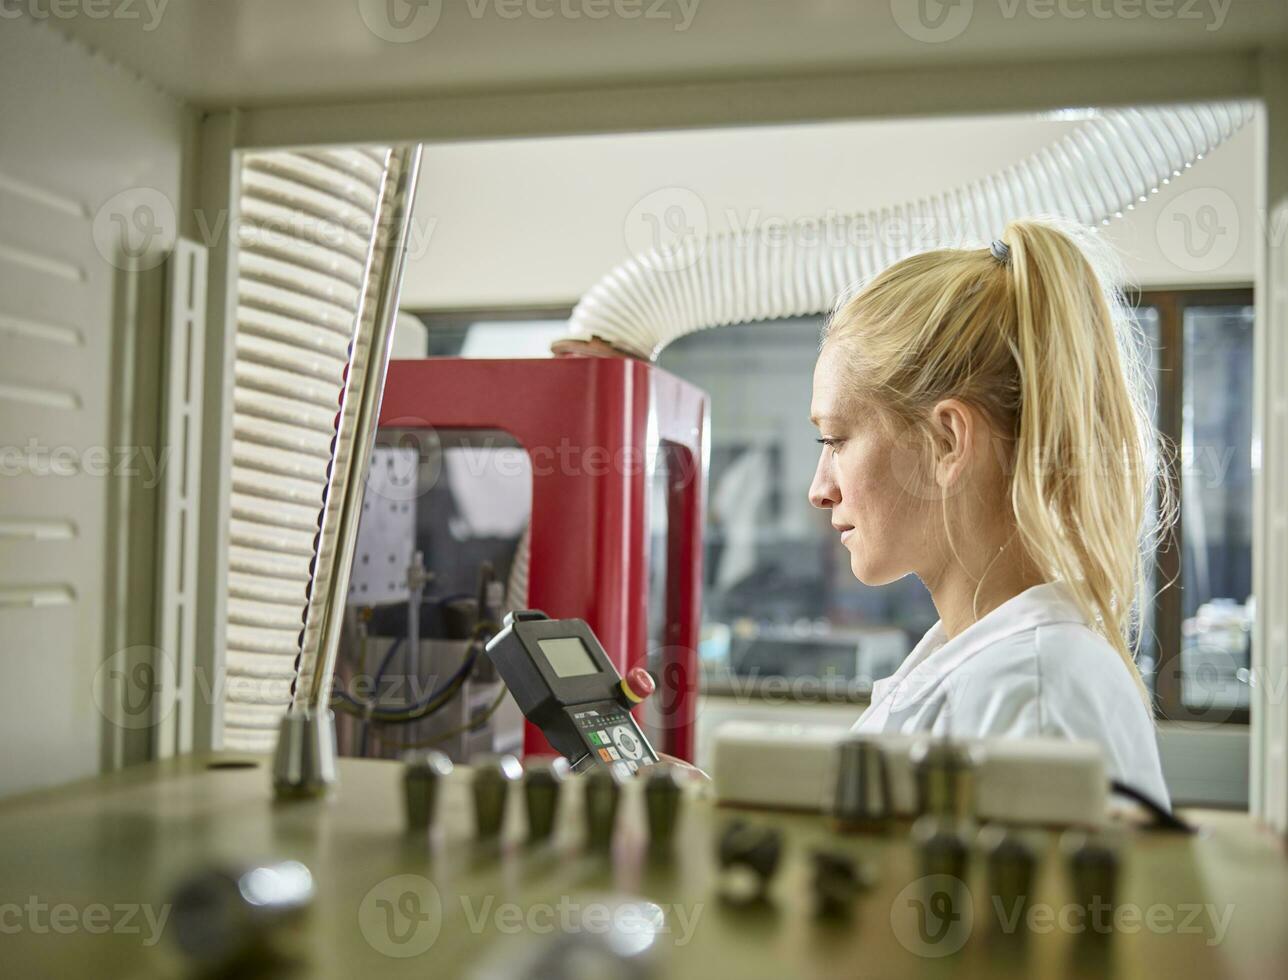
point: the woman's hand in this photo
(688, 767)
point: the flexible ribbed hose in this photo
(1104, 167)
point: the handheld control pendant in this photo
(565, 684)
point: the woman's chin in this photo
(872, 573)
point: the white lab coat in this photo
(1030, 667)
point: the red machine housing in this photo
(590, 426)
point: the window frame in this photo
(1169, 380)
(1171, 305)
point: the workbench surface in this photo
(86, 872)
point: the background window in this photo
(1197, 642)
(779, 598)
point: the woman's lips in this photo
(845, 529)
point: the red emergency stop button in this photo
(637, 685)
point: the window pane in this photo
(1216, 506)
(498, 333)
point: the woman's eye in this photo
(832, 444)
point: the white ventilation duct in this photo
(1104, 167)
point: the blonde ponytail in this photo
(1035, 334)
(1084, 442)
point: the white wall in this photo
(74, 133)
(533, 222)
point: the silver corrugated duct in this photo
(1096, 172)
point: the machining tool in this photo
(603, 789)
(543, 782)
(663, 792)
(945, 775)
(493, 776)
(423, 775)
(861, 798)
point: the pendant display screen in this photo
(568, 656)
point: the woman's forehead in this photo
(831, 400)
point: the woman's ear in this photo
(953, 426)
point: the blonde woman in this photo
(982, 426)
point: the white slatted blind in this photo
(307, 225)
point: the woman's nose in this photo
(823, 491)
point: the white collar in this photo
(934, 657)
